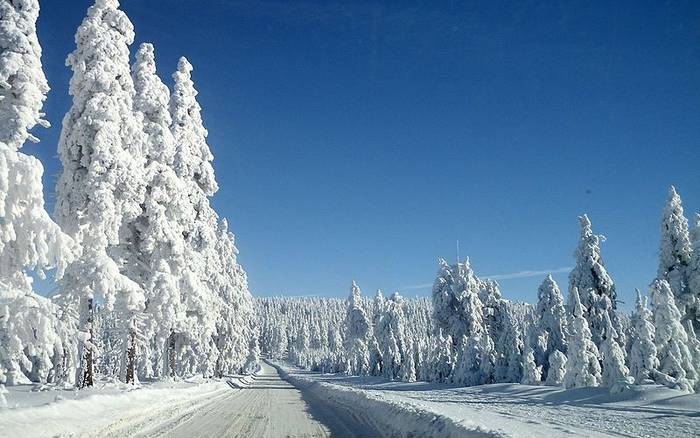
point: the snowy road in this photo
(269, 407)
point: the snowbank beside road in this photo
(395, 418)
(508, 409)
(78, 413)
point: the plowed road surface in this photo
(268, 407)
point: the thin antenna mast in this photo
(457, 251)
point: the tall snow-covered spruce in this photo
(100, 188)
(214, 289)
(643, 360)
(153, 251)
(583, 362)
(550, 322)
(33, 340)
(357, 334)
(675, 254)
(595, 286)
(676, 368)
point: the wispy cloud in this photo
(526, 274)
(508, 276)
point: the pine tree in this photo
(357, 334)
(476, 360)
(693, 275)
(193, 157)
(550, 321)
(192, 164)
(594, 284)
(643, 356)
(676, 368)
(583, 362)
(557, 369)
(675, 253)
(443, 359)
(376, 350)
(32, 337)
(100, 188)
(615, 372)
(532, 373)
(235, 331)
(694, 347)
(394, 327)
(23, 85)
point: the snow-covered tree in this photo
(476, 360)
(675, 359)
(557, 369)
(615, 372)
(532, 373)
(443, 359)
(195, 344)
(693, 275)
(509, 349)
(550, 321)
(32, 338)
(594, 284)
(23, 85)
(235, 332)
(376, 355)
(583, 361)
(643, 361)
(357, 334)
(101, 186)
(675, 253)
(694, 347)
(451, 286)
(397, 351)
(193, 157)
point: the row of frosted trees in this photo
(469, 335)
(148, 280)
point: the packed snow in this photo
(514, 410)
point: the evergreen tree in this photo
(643, 356)
(357, 334)
(23, 85)
(443, 359)
(615, 372)
(476, 360)
(557, 369)
(694, 347)
(532, 373)
(676, 368)
(550, 321)
(693, 275)
(594, 284)
(100, 187)
(192, 164)
(32, 338)
(675, 253)
(377, 347)
(583, 362)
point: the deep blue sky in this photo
(360, 140)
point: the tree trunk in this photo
(87, 377)
(131, 357)
(171, 355)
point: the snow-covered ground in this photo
(288, 401)
(55, 412)
(512, 409)
(263, 405)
